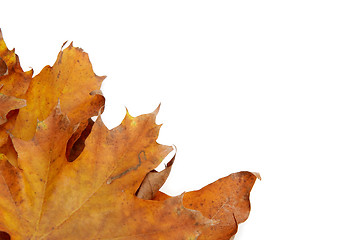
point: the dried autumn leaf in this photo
(226, 201)
(63, 176)
(153, 181)
(72, 82)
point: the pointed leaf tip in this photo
(127, 113)
(156, 111)
(257, 175)
(62, 47)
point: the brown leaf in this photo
(63, 176)
(154, 181)
(226, 201)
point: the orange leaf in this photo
(226, 201)
(63, 176)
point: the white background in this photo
(266, 86)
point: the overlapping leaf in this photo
(14, 83)
(63, 176)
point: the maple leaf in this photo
(63, 176)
